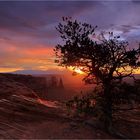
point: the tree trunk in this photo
(107, 106)
(107, 109)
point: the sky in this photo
(28, 35)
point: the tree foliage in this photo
(105, 60)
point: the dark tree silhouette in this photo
(104, 61)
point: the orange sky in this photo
(28, 34)
(20, 56)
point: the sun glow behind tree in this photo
(77, 70)
(106, 60)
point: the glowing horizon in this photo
(28, 35)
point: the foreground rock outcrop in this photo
(24, 114)
(24, 118)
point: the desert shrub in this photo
(86, 104)
(93, 103)
(81, 105)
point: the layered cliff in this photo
(27, 85)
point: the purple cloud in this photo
(27, 25)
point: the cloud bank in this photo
(28, 35)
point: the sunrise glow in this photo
(77, 70)
(28, 35)
(69, 69)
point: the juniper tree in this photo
(104, 61)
